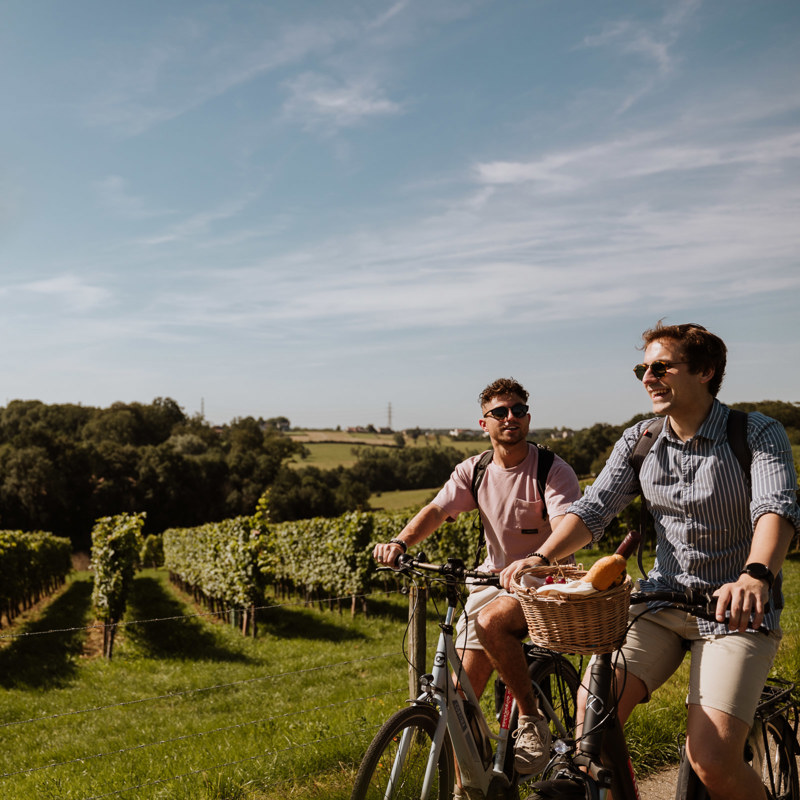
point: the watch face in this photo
(759, 571)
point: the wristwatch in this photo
(760, 571)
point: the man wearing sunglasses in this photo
(516, 525)
(715, 530)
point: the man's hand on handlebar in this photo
(386, 554)
(746, 598)
(514, 567)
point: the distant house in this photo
(466, 433)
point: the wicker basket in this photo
(584, 625)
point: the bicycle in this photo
(414, 753)
(603, 762)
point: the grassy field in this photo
(189, 708)
(401, 501)
(331, 449)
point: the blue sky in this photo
(316, 209)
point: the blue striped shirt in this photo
(698, 497)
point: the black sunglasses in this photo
(658, 368)
(519, 410)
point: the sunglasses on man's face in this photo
(658, 369)
(519, 410)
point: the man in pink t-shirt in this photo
(512, 511)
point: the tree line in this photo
(64, 466)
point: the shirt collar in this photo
(713, 427)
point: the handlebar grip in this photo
(401, 560)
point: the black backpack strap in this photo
(543, 464)
(737, 439)
(478, 472)
(642, 448)
(636, 459)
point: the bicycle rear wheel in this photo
(385, 773)
(558, 683)
(776, 759)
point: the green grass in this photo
(286, 711)
(327, 455)
(339, 452)
(288, 691)
(412, 499)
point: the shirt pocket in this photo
(528, 517)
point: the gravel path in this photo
(659, 786)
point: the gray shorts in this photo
(727, 671)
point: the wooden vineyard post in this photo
(417, 646)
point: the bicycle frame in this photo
(439, 689)
(603, 741)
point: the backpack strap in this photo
(737, 439)
(545, 460)
(636, 458)
(478, 472)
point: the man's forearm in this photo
(772, 537)
(569, 536)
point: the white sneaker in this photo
(532, 748)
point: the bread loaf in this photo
(606, 572)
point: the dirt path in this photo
(660, 786)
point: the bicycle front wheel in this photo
(778, 762)
(395, 762)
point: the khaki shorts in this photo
(466, 637)
(727, 671)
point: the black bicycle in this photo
(414, 753)
(584, 769)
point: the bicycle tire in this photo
(373, 776)
(779, 765)
(559, 681)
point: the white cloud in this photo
(70, 292)
(321, 101)
(189, 65)
(652, 43)
(201, 223)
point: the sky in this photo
(352, 213)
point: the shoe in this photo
(532, 748)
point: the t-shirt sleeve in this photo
(562, 488)
(455, 497)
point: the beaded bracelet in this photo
(539, 555)
(404, 546)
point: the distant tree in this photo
(277, 424)
(312, 492)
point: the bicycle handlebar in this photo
(698, 602)
(453, 568)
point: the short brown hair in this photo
(702, 349)
(502, 386)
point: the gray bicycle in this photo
(414, 754)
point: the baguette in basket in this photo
(606, 573)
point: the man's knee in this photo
(714, 744)
(501, 618)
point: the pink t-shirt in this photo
(511, 507)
